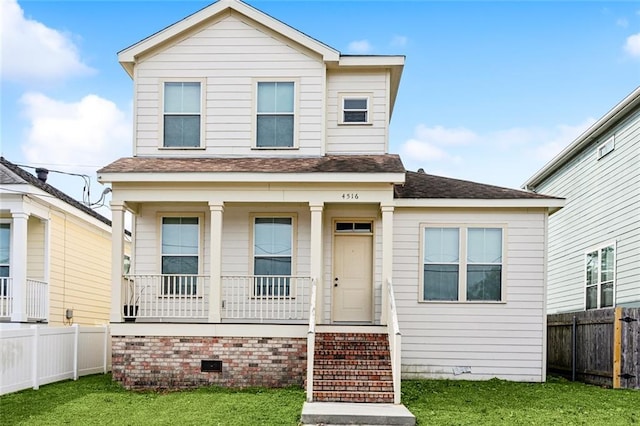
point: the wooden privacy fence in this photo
(600, 346)
(34, 356)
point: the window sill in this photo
(355, 124)
(274, 148)
(181, 148)
(464, 302)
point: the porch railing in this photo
(156, 296)
(395, 342)
(36, 294)
(265, 298)
(311, 341)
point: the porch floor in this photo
(342, 413)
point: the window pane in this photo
(5, 241)
(592, 297)
(266, 97)
(181, 130)
(272, 236)
(180, 265)
(441, 282)
(484, 282)
(284, 97)
(606, 264)
(275, 97)
(606, 295)
(355, 103)
(592, 268)
(272, 266)
(355, 116)
(180, 235)
(4, 271)
(441, 245)
(275, 131)
(182, 98)
(484, 245)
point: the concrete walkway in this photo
(342, 413)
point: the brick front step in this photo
(333, 374)
(352, 354)
(345, 396)
(353, 385)
(352, 364)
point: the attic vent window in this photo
(608, 146)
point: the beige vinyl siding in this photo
(80, 271)
(229, 55)
(36, 249)
(362, 138)
(603, 206)
(504, 340)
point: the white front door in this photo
(352, 278)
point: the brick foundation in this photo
(146, 362)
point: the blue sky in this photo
(490, 92)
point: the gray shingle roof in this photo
(12, 174)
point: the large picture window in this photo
(272, 255)
(275, 115)
(462, 264)
(5, 256)
(600, 277)
(182, 103)
(180, 255)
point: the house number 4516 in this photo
(350, 196)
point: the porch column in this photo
(387, 258)
(18, 270)
(316, 256)
(117, 260)
(215, 259)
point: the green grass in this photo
(96, 400)
(498, 402)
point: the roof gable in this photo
(210, 14)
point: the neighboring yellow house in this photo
(55, 262)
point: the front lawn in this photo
(96, 400)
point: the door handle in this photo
(335, 282)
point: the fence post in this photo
(34, 358)
(617, 347)
(106, 345)
(574, 343)
(76, 338)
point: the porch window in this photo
(5, 255)
(275, 115)
(272, 256)
(462, 263)
(180, 255)
(600, 277)
(182, 102)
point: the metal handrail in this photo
(311, 340)
(395, 342)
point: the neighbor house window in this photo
(182, 120)
(462, 264)
(5, 256)
(275, 115)
(606, 147)
(600, 277)
(180, 255)
(355, 110)
(272, 255)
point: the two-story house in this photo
(594, 242)
(275, 238)
(55, 266)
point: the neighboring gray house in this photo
(594, 241)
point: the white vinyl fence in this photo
(35, 356)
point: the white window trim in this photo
(254, 113)
(611, 140)
(365, 95)
(161, 114)
(462, 262)
(584, 274)
(294, 246)
(201, 226)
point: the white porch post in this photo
(19, 265)
(215, 265)
(316, 256)
(387, 258)
(117, 259)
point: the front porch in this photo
(35, 296)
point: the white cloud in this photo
(622, 22)
(31, 51)
(360, 47)
(555, 140)
(92, 131)
(399, 41)
(442, 136)
(632, 45)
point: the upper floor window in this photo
(355, 110)
(275, 115)
(182, 116)
(272, 255)
(180, 255)
(606, 147)
(600, 277)
(453, 271)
